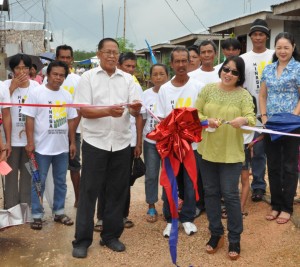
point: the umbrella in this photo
(33, 169)
(34, 59)
(48, 56)
(282, 122)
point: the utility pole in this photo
(118, 23)
(102, 20)
(124, 31)
(46, 41)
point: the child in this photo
(158, 75)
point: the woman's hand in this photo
(238, 122)
(213, 123)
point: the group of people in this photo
(48, 133)
(228, 96)
(116, 115)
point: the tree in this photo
(143, 72)
(81, 55)
(124, 45)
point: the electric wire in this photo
(196, 15)
(26, 10)
(177, 16)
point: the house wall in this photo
(30, 42)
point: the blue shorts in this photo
(74, 164)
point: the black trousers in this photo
(102, 171)
(282, 161)
(101, 200)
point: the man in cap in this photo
(255, 61)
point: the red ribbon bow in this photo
(173, 137)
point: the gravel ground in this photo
(263, 243)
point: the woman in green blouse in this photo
(227, 107)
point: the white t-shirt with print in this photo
(51, 123)
(149, 99)
(132, 118)
(70, 84)
(170, 97)
(254, 66)
(18, 134)
(205, 76)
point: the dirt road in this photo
(263, 243)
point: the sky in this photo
(80, 23)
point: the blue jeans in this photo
(222, 179)
(189, 202)
(152, 162)
(59, 170)
(258, 163)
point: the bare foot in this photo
(283, 217)
(272, 215)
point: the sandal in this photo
(257, 195)
(244, 214)
(98, 226)
(63, 219)
(224, 213)
(234, 250)
(272, 215)
(283, 219)
(214, 243)
(151, 215)
(37, 224)
(128, 223)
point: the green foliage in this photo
(81, 55)
(142, 72)
(124, 45)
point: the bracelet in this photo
(264, 115)
(255, 141)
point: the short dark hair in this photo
(231, 42)
(240, 66)
(291, 39)
(16, 59)
(193, 48)
(159, 65)
(126, 56)
(101, 43)
(63, 47)
(208, 42)
(34, 66)
(57, 63)
(179, 49)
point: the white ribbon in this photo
(261, 130)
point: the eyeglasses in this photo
(108, 53)
(233, 72)
(18, 68)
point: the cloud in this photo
(79, 23)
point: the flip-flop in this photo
(151, 215)
(224, 213)
(98, 226)
(257, 195)
(128, 223)
(281, 220)
(272, 217)
(244, 214)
